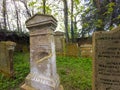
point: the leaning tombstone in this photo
(43, 75)
(6, 58)
(106, 60)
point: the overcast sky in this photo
(11, 12)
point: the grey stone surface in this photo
(106, 60)
(43, 75)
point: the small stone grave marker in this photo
(106, 60)
(59, 42)
(86, 50)
(6, 58)
(72, 49)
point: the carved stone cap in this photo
(113, 31)
(40, 20)
(59, 33)
(9, 44)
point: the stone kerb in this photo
(6, 58)
(106, 60)
(43, 75)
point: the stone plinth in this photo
(59, 42)
(106, 60)
(6, 58)
(43, 75)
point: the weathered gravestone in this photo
(106, 63)
(6, 58)
(72, 49)
(43, 75)
(86, 50)
(59, 42)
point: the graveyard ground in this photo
(75, 73)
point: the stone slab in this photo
(86, 50)
(72, 49)
(106, 60)
(6, 58)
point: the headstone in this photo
(43, 75)
(106, 60)
(6, 58)
(72, 49)
(86, 50)
(59, 42)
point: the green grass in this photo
(75, 73)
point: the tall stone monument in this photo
(6, 58)
(43, 75)
(106, 60)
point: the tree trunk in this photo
(66, 20)
(25, 4)
(4, 15)
(98, 4)
(44, 5)
(8, 21)
(75, 27)
(72, 31)
(17, 16)
(0, 26)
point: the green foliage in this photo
(100, 17)
(85, 25)
(75, 73)
(99, 23)
(40, 7)
(118, 17)
(32, 4)
(77, 1)
(48, 9)
(110, 8)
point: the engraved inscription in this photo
(44, 80)
(107, 61)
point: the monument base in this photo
(26, 87)
(37, 82)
